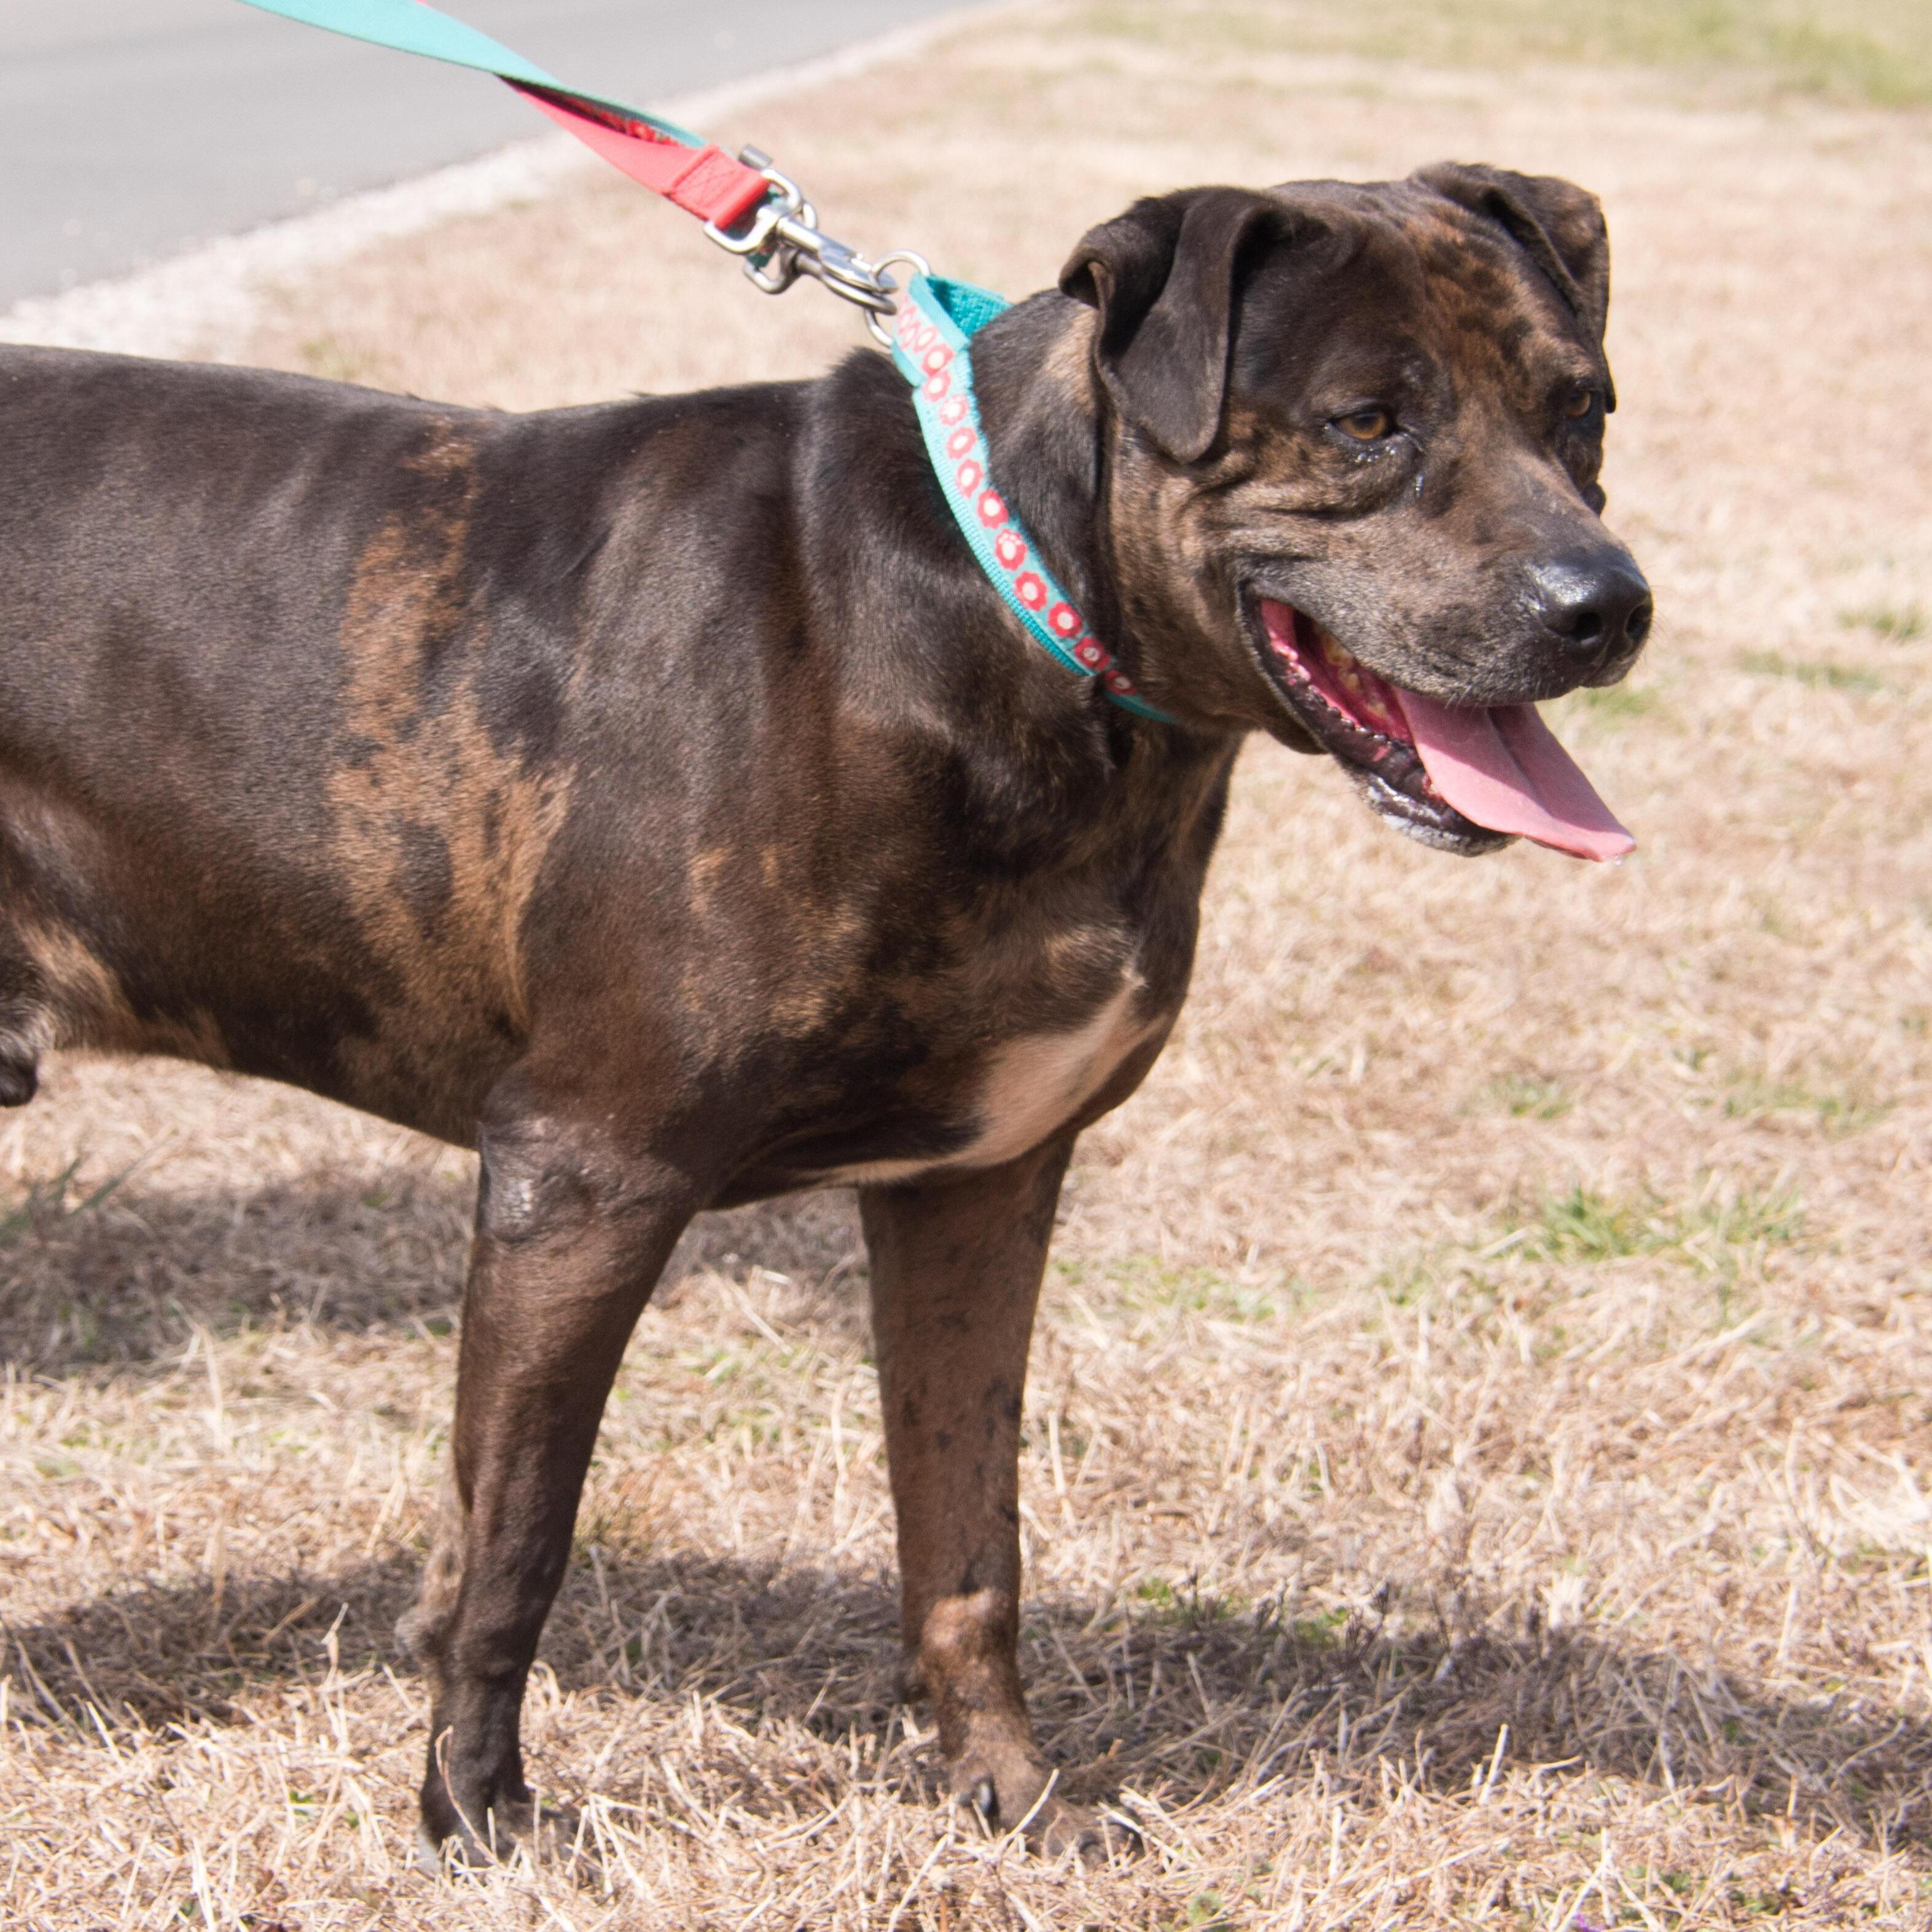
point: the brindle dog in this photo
(656, 797)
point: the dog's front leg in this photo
(956, 1266)
(573, 1228)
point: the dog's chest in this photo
(1039, 1082)
(962, 997)
(1020, 1090)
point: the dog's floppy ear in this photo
(1560, 224)
(1162, 277)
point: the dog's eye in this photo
(1366, 425)
(1579, 402)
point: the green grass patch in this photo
(1617, 702)
(1160, 1598)
(1205, 1912)
(1877, 51)
(1326, 1630)
(1527, 1098)
(1752, 1098)
(1585, 1225)
(1407, 1282)
(1146, 1283)
(1902, 623)
(1811, 671)
(50, 1202)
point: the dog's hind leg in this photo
(956, 1267)
(573, 1228)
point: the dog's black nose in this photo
(1594, 602)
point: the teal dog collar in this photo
(936, 321)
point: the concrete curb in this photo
(205, 303)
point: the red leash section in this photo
(779, 239)
(704, 182)
(671, 160)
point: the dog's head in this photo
(1353, 435)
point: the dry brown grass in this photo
(1481, 1436)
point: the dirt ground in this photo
(1480, 1464)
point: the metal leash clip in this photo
(782, 240)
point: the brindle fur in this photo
(655, 797)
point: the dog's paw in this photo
(552, 1838)
(1019, 1796)
(1098, 1837)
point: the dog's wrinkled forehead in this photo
(1457, 265)
(1400, 282)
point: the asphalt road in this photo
(129, 130)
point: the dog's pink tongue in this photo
(1500, 766)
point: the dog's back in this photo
(269, 796)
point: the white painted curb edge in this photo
(205, 303)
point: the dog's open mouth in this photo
(1462, 776)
